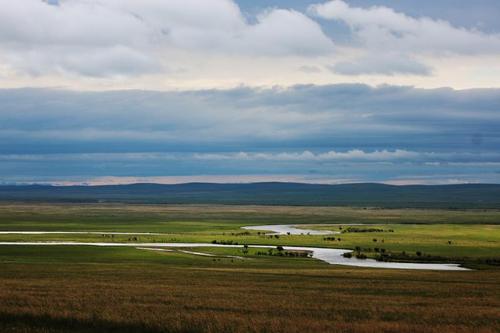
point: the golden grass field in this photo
(164, 298)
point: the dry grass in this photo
(342, 213)
(160, 298)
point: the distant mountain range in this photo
(367, 194)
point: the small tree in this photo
(279, 248)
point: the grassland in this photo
(91, 289)
(161, 218)
(474, 234)
(85, 289)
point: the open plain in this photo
(209, 289)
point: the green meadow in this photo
(453, 234)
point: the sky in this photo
(124, 91)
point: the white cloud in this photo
(103, 38)
(305, 156)
(425, 158)
(284, 32)
(357, 155)
(351, 155)
(205, 44)
(393, 42)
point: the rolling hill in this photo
(365, 194)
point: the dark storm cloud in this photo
(350, 116)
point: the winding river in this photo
(288, 229)
(328, 255)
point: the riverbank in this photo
(331, 256)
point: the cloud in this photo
(358, 155)
(352, 132)
(105, 38)
(391, 166)
(351, 155)
(306, 117)
(392, 42)
(192, 44)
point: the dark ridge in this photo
(270, 193)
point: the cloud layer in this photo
(350, 116)
(353, 132)
(105, 44)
